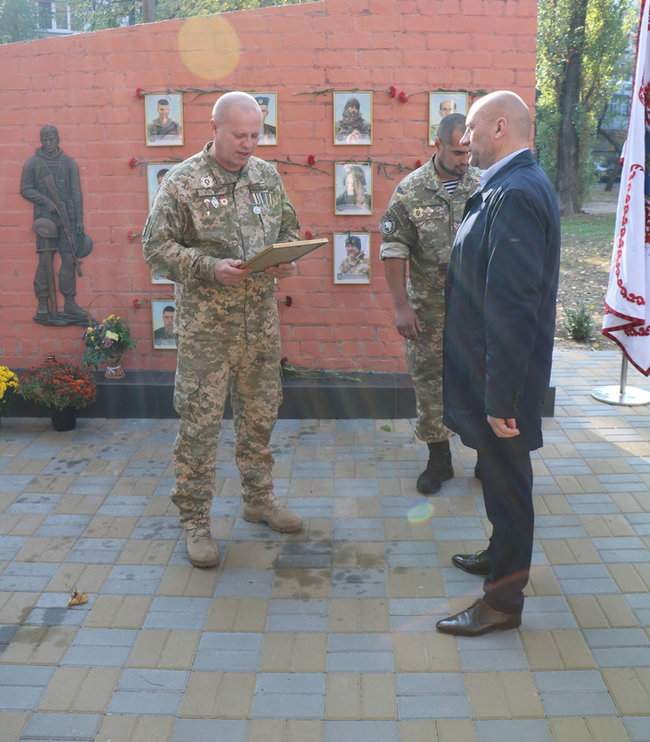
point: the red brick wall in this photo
(86, 86)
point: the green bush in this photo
(579, 323)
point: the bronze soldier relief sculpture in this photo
(50, 180)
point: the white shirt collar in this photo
(494, 169)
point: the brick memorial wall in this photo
(91, 86)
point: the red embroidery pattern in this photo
(627, 295)
(631, 331)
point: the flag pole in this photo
(622, 394)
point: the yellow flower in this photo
(111, 335)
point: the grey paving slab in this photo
(240, 583)
(149, 692)
(62, 727)
(22, 686)
(360, 653)
(34, 503)
(149, 527)
(420, 551)
(27, 576)
(209, 730)
(361, 731)
(349, 582)
(531, 730)
(133, 579)
(10, 546)
(177, 613)
(96, 550)
(417, 614)
(304, 555)
(638, 728)
(297, 615)
(289, 695)
(228, 652)
(63, 525)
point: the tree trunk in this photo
(568, 151)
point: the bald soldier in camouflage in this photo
(419, 227)
(213, 212)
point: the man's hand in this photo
(503, 428)
(229, 273)
(284, 270)
(407, 323)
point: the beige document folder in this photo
(282, 252)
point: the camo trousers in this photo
(424, 357)
(246, 364)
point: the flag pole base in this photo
(629, 397)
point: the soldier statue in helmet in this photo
(50, 180)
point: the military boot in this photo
(439, 468)
(202, 549)
(278, 518)
(72, 309)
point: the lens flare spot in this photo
(420, 513)
(209, 47)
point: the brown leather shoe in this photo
(202, 549)
(478, 619)
(278, 518)
(475, 564)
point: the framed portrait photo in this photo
(351, 257)
(352, 117)
(163, 314)
(352, 188)
(441, 104)
(163, 119)
(161, 280)
(268, 102)
(156, 171)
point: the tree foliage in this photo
(584, 41)
(17, 21)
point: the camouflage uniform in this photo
(419, 226)
(354, 266)
(228, 337)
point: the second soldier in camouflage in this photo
(418, 229)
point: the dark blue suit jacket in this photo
(500, 307)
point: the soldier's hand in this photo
(503, 428)
(229, 272)
(284, 270)
(407, 323)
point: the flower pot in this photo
(65, 419)
(114, 368)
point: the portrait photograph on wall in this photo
(161, 280)
(351, 257)
(352, 188)
(163, 113)
(163, 313)
(352, 117)
(268, 102)
(156, 171)
(441, 104)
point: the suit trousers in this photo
(507, 480)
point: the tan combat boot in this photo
(202, 549)
(276, 517)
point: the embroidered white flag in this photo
(627, 316)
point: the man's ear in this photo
(501, 127)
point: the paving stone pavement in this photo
(327, 636)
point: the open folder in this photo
(282, 252)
